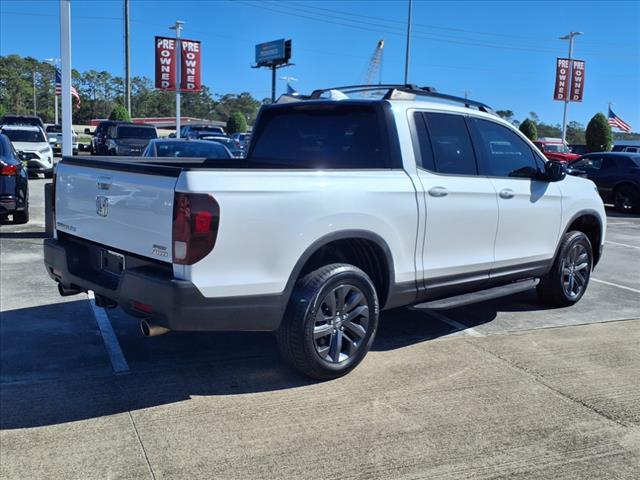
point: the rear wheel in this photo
(22, 216)
(626, 199)
(330, 322)
(569, 277)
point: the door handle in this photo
(506, 193)
(438, 192)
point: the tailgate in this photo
(129, 209)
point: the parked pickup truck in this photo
(342, 208)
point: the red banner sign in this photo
(190, 80)
(561, 90)
(577, 81)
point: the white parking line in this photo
(455, 324)
(615, 285)
(118, 361)
(621, 244)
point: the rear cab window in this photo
(323, 135)
(451, 145)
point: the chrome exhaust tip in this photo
(151, 329)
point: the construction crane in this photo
(374, 69)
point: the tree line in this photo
(100, 92)
(576, 131)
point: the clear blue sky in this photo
(503, 53)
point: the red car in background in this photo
(554, 149)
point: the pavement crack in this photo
(144, 452)
(540, 380)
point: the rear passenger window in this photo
(503, 153)
(422, 143)
(452, 149)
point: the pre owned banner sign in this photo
(166, 64)
(561, 90)
(577, 81)
(569, 81)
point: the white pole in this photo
(65, 53)
(55, 106)
(566, 102)
(178, 28)
(35, 102)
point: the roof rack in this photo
(399, 91)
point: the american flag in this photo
(74, 92)
(616, 122)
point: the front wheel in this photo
(330, 323)
(569, 276)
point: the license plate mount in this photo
(112, 262)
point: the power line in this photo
(390, 30)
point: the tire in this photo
(626, 199)
(313, 338)
(569, 277)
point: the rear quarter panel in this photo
(268, 219)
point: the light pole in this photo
(55, 62)
(35, 101)
(566, 101)
(407, 53)
(178, 28)
(127, 62)
(65, 53)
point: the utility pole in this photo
(407, 53)
(566, 102)
(65, 54)
(178, 28)
(35, 105)
(127, 62)
(273, 83)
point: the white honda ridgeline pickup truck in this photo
(343, 207)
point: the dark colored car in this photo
(14, 184)
(579, 149)
(235, 150)
(177, 147)
(22, 120)
(192, 131)
(99, 140)
(617, 176)
(129, 139)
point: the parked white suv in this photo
(341, 209)
(32, 146)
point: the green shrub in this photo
(528, 128)
(236, 123)
(119, 113)
(598, 135)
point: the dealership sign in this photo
(166, 64)
(273, 53)
(569, 80)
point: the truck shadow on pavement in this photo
(55, 368)
(23, 234)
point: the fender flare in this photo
(332, 237)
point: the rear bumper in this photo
(176, 304)
(10, 204)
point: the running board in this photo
(480, 296)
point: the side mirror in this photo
(555, 171)
(87, 131)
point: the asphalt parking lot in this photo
(503, 389)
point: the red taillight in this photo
(196, 217)
(9, 171)
(142, 307)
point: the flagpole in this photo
(65, 54)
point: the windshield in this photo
(34, 136)
(191, 149)
(224, 141)
(556, 148)
(207, 129)
(54, 129)
(136, 132)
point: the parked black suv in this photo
(99, 140)
(128, 139)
